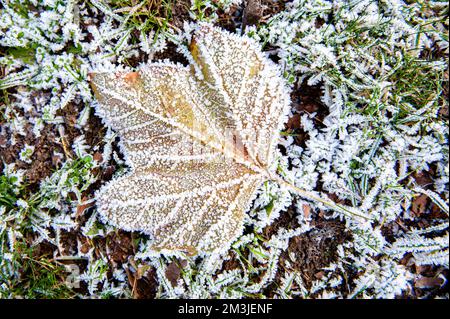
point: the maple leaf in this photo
(199, 139)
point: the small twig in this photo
(64, 142)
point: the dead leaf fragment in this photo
(173, 271)
(419, 204)
(428, 282)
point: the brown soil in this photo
(180, 13)
(311, 252)
(315, 249)
(43, 160)
(172, 54)
(305, 100)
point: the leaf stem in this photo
(313, 197)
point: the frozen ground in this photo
(368, 127)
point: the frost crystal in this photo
(199, 140)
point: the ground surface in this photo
(53, 244)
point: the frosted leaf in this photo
(199, 141)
